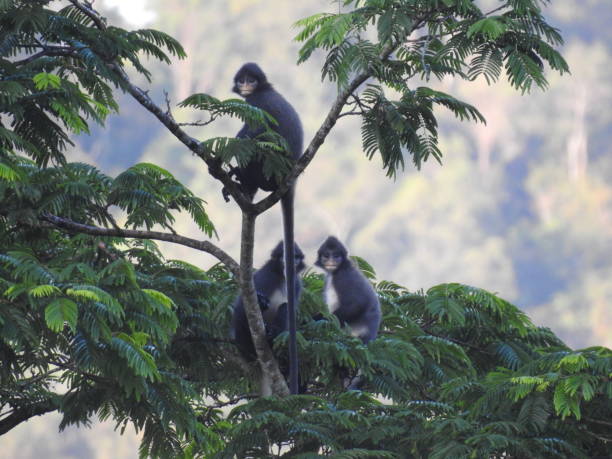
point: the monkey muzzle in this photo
(330, 266)
(246, 89)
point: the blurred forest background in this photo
(521, 206)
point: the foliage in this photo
(403, 42)
(82, 311)
(456, 372)
(55, 73)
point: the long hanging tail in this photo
(289, 251)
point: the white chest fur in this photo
(278, 297)
(330, 294)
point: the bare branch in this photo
(204, 246)
(351, 113)
(168, 110)
(199, 123)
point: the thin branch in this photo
(323, 131)
(168, 110)
(91, 14)
(495, 10)
(71, 366)
(232, 401)
(214, 165)
(356, 104)
(199, 123)
(204, 246)
(598, 421)
(48, 51)
(599, 437)
(351, 113)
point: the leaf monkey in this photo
(349, 295)
(272, 295)
(251, 83)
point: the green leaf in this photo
(46, 80)
(9, 174)
(573, 363)
(159, 297)
(59, 312)
(42, 291)
(83, 294)
(490, 27)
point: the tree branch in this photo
(204, 246)
(322, 132)
(47, 51)
(20, 415)
(214, 165)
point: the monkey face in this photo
(330, 261)
(279, 259)
(299, 263)
(246, 85)
(331, 255)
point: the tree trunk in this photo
(273, 382)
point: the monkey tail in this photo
(289, 251)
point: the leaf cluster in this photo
(456, 372)
(401, 44)
(58, 68)
(147, 194)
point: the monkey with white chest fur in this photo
(347, 292)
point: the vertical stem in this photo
(269, 365)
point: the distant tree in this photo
(137, 338)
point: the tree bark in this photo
(204, 246)
(24, 414)
(269, 366)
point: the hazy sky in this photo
(134, 11)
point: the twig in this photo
(598, 421)
(168, 110)
(350, 113)
(233, 401)
(48, 51)
(199, 123)
(72, 367)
